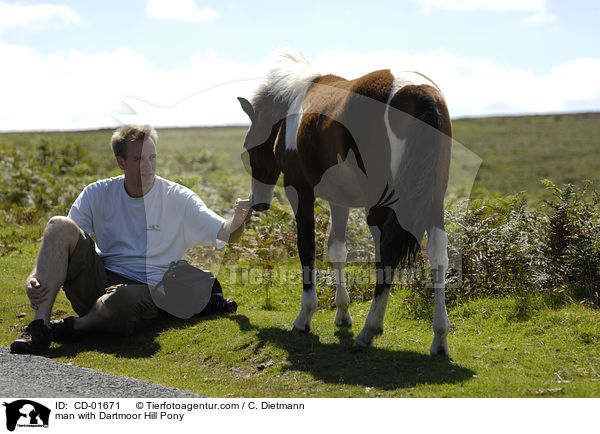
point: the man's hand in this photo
(36, 292)
(241, 212)
(232, 229)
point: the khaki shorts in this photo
(88, 281)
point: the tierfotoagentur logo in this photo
(26, 414)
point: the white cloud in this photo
(21, 15)
(480, 87)
(537, 10)
(73, 90)
(179, 10)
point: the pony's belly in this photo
(340, 186)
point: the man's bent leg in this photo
(60, 238)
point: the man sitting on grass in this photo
(141, 224)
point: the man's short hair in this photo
(130, 133)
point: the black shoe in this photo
(34, 340)
(226, 306)
(62, 330)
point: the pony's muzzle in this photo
(261, 207)
(258, 204)
(262, 195)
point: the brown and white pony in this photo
(381, 142)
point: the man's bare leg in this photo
(49, 273)
(50, 270)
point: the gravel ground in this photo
(27, 376)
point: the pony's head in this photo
(258, 156)
(290, 76)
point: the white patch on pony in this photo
(292, 121)
(340, 185)
(403, 78)
(261, 193)
(398, 145)
(309, 306)
(437, 250)
(290, 76)
(374, 323)
(338, 251)
(342, 298)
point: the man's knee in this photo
(113, 317)
(130, 307)
(63, 229)
(62, 224)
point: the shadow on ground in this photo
(141, 344)
(341, 363)
(335, 363)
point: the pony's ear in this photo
(247, 107)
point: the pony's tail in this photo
(418, 115)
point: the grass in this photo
(518, 151)
(500, 347)
(503, 343)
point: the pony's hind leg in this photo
(437, 250)
(388, 236)
(374, 323)
(338, 254)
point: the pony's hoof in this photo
(439, 351)
(299, 332)
(361, 342)
(439, 346)
(346, 323)
(343, 319)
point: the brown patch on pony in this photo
(414, 101)
(376, 85)
(334, 102)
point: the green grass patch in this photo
(518, 151)
(500, 347)
(523, 277)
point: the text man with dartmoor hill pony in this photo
(381, 142)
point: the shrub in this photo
(497, 246)
(573, 242)
(501, 246)
(47, 177)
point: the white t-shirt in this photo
(138, 237)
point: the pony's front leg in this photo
(337, 255)
(305, 222)
(437, 250)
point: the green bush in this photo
(46, 177)
(497, 246)
(502, 246)
(573, 242)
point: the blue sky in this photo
(75, 64)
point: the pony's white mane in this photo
(290, 75)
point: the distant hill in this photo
(517, 152)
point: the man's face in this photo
(140, 165)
